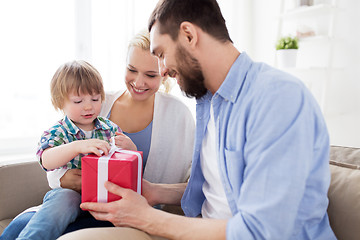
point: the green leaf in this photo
(287, 42)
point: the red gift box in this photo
(123, 168)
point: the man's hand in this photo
(128, 211)
(134, 211)
(72, 180)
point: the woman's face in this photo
(142, 74)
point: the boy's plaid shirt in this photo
(65, 131)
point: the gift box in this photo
(122, 167)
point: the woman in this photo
(159, 124)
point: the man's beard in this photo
(190, 74)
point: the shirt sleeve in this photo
(54, 177)
(281, 171)
(115, 128)
(50, 138)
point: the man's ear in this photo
(188, 34)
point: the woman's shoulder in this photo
(169, 99)
(168, 105)
(110, 98)
(113, 95)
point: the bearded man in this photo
(260, 167)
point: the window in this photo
(37, 36)
(40, 35)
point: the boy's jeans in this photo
(60, 208)
(16, 226)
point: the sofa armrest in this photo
(344, 192)
(22, 185)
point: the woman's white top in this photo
(172, 138)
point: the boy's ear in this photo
(188, 34)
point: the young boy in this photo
(77, 90)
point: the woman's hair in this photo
(75, 77)
(142, 40)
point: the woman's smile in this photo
(137, 90)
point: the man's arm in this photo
(173, 226)
(163, 193)
(134, 211)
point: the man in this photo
(260, 167)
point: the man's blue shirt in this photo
(273, 151)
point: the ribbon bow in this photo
(103, 163)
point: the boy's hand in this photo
(123, 141)
(94, 146)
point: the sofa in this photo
(23, 185)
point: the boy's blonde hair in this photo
(76, 77)
(142, 40)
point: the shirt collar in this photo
(230, 88)
(70, 126)
(100, 123)
(207, 97)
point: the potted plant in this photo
(286, 51)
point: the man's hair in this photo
(78, 77)
(205, 14)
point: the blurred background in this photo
(37, 36)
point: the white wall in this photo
(31, 49)
(342, 99)
(342, 92)
(41, 35)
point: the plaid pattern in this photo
(65, 131)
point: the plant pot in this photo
(286, 58)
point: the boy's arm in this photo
(58, 156)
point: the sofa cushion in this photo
(4, 223)
(345, 155)
(22, 185)
(344, 192)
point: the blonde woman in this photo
(159, 124)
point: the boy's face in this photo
(83, 109)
